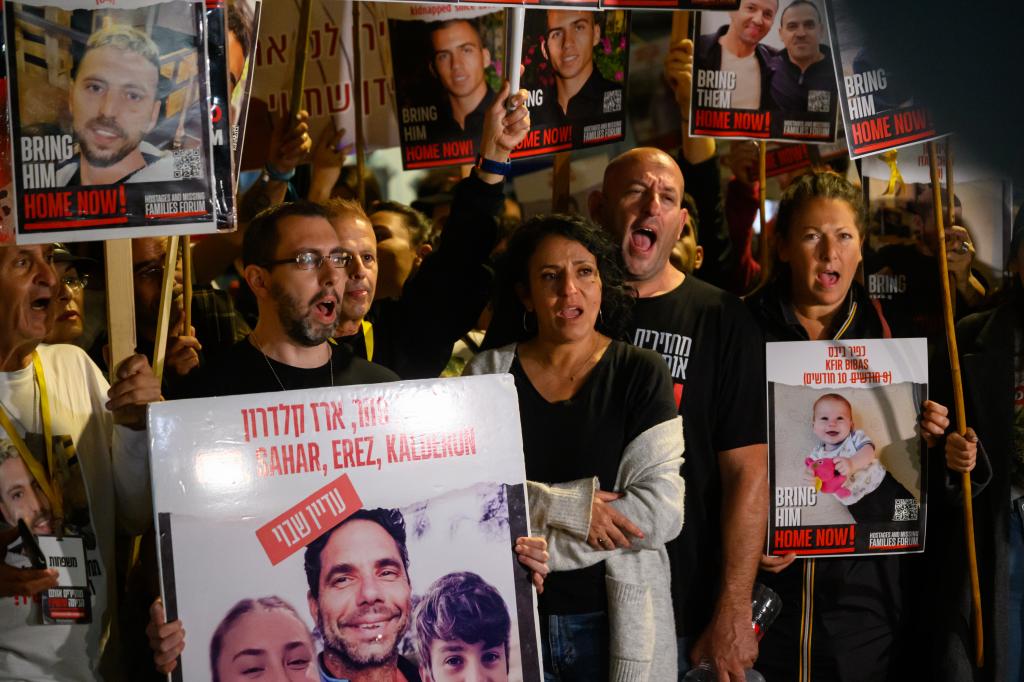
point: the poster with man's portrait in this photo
(110, 119)
(877, 99)
(365, 528)
(764, 71)
(576, 67)
(448, 64)
(846, 461)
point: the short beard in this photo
(109, 158)
(299, 328)
(338, 648)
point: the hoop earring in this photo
(526, 326)
(600, 317)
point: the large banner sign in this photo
(764, 72)
(110, 119)
(328, 93)
(449, 64)
(846, 461)
(878, 105)
(280, 513)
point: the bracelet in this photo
(496, 167)
(271, 174)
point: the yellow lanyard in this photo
(49, 484)
(368, 338)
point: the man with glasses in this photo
(296, 268)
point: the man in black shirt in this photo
(721, 398)
(579, 95)
(802, 75)
(295, 266)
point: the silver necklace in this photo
(330, 362)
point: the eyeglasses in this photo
(311, 260)
(75, 283)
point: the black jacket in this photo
(790, 86)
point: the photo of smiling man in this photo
(764, 72)
(111, 123)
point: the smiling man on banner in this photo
(114, 103)
(736, 49)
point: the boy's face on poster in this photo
(570, 40)
(832, 421)
(800, 31)
(823, 249)
(363, 607)
(459, 58)
(21, 497)
(113, 103)
(752, 21)
(270, 645)
(457, 661)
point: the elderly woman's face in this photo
(823, 250)
(268, 645)
(564, 289)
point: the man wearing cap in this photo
(114, 104)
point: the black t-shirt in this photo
(626, 393)
(243, 369)
(716, 359)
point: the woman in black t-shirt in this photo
(603, 448)
(853, 608)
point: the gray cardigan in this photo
(641, 623)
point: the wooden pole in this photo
(163, 316)
(950, 204)
(560, 176)
(680, 26)
(764, 244)
(120, 302)
(186, 278)
(299, 59)
(958, 397)
(357, 101)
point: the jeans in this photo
(1016, 606)
(575, 647)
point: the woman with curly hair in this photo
(603, 448)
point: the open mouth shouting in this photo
(41, 304)
(569, 313)
(827, 279)
(642, 239)
(325, 307)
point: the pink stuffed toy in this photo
(826, 478)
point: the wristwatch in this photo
(496, 167)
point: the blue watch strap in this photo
(496, 167)
(280, 177)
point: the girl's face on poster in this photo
(823, 250)
(267, 645)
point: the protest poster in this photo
(846, 463)
(219, 54)
(328, 93)
(448, 64)
(534, 190)
(110, 119)
(576, 68)
(901, 267)
(248, 489)
(877, 101)
(243, 31)
(704, 5)
(780, 159)
(764, 72)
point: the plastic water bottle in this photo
(765, 606)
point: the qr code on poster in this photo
(612, 101)
(906, 510)
(819, 100)
(188, 163)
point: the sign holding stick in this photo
(357, 100)
(514, 21)
(958, 397)
(164, 314)
(301, 52)
(120, 301)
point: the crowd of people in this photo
(624, 330)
